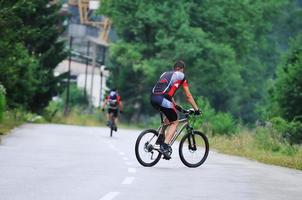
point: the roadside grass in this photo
(80, 117)
(245, 144)
(9, 122)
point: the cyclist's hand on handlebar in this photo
(197, 112)
(179, 108)
(191, 111)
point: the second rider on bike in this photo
(162, 100)
(114, 104)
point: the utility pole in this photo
(101, 90)
(86, 70)
(92, 75)
(66, 110)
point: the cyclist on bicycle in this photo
(162, 100)
(114, 105)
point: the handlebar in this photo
(190, 111)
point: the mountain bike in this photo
(193, 146)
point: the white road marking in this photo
(125, 158)
(122, 153)
(131, 170)
(109, 196)
(128, 180)
(128, 163)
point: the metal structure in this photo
(84, 11)
(88, 34)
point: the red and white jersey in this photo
(113, 100)
(169, 82)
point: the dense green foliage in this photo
(215, 123)
(288, 87)
(286, 95)
(291, 132)
(77, 99)
(231, 49)
(2, 101)
(29, 52)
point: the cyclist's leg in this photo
(115, 118)
(168, 108)
(108, 116)
(171, 118)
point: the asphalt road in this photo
(60, 162)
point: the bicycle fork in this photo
(191, 139)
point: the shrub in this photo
(2, 101)
(289, 131)
(76, 96)
(208, 114)
(224, 123)
(53, 107)
(214, 123)
(267, 139)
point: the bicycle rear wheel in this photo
(194, 149)
(145, 152)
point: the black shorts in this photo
(159, 102)
(113, 111)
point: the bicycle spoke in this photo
(193, 149)
(145, 148)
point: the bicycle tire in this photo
(137, 145)
(111, 131)
(111, 125)
(206, 149)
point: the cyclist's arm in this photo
(190, 98)
(104, 103)
(120, 103)
(174, 102)
(121, 106)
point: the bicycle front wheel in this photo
(194, 149)
(145, 151)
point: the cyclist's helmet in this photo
(113, 94)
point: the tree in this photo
(245, 26)
(17, 67)
(288, 87)
(31, 50)
(153, 35)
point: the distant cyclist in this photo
(162, 100)
(114, 104)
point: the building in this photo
(88, 35)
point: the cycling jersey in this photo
(164, 90)
(169, 83)
(113, 100)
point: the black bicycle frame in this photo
(178, 131)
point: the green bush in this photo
(52, 109)
(269, 139)
(224, 123)
(76, 96)
(208, 113)
(215, 123)
(289, 131)
(2, 101)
